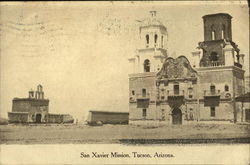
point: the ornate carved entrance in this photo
(177, 116)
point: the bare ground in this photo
(56, 134)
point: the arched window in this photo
(162, 43)
(133, 92)
(213, 35)
(212, 89)
(156, 37)
(212, 32)
(146, 65)
(147, 40)
(39, 88)
(223, 32)
(214, 56)
(226, 88)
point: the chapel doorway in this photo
(38, 118)
(177, 116)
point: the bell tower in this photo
(152, 33)
(217, 27)
(218, 48)
(148, 60)
(152, 46)
(221, 77)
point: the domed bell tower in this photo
(143, 66)
(152, 48)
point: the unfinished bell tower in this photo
(218, 48)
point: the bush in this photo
(94, 123)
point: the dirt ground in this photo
(55, 134)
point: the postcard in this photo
(124, 82)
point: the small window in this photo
(226, 88)
(144, 113)
(212, 89)
(144, 92)
(133, 92)
(247, 114)
(165, 83)
(212, 111)
(176, 89)
(191, 114)
(162, 42)
(190, 92)
(162, 97)
(147, 40)
(163, 114)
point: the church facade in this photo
(170, 90)
(35, 109)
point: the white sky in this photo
(78, 50)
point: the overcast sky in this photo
(78, 51)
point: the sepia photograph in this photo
(124, 82)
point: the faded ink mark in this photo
(32, 39)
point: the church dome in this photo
(152, 21)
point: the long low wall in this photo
(18, 117)
(108, 117)
(148, 123)
(23, 117)
(157, 123)
(60, 118)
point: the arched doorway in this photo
(38, 118)
(177, 116)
